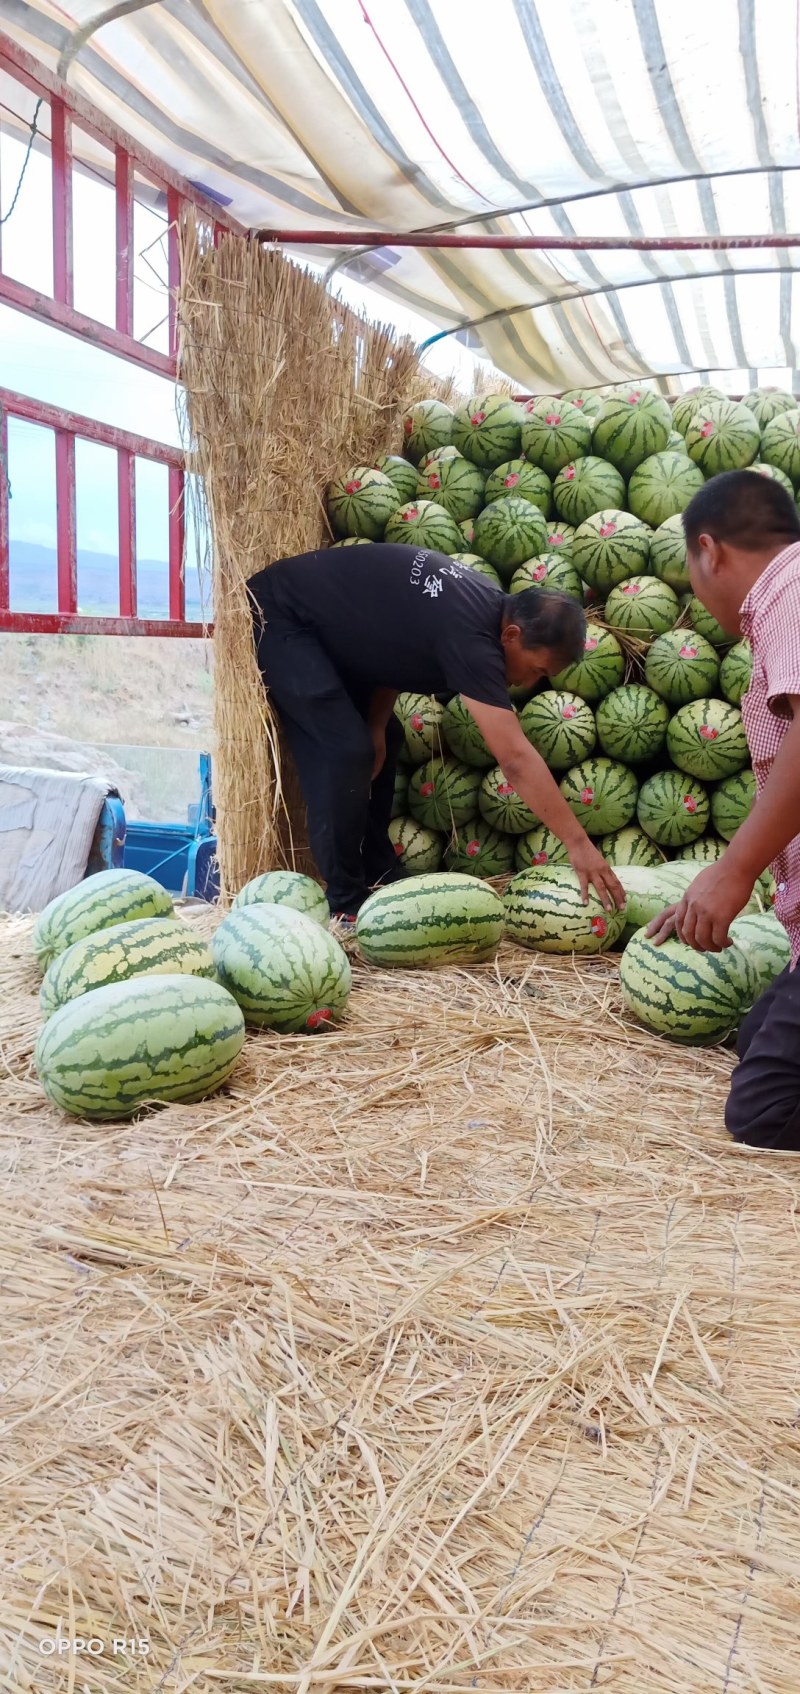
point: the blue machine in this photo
(181, 856)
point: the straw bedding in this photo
(456, 1350)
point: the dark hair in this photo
(743, 508)
(548, 618)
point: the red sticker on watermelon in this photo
(426, 788)
(707, 429)
(409, 513)
(569, 473)
(556, 541)
(398, 847)
(538, 858)
(569, 712)
(708, 732)
(416, 721)
(314, 1019)
(587, 796)
(688, 652)
(633, 399)
(631, 588)
(512, 480)
(472, 849)
(689, 804)
(598, 926)
(434, 481)
(552, 418)
(539, 573)
(608, 529)
(590, 643)
(408, 425)
(478, 418)
(505, 789)
(352, 487)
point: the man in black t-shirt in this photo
(341, 632)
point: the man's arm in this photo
(703, 917)
(381, 706)
(528, 773)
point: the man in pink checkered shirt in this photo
(743, 545)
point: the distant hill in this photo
(33, 584)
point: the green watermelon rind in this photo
(508, 532)
(689, 997)
(478, 850)
(677, 679)
(642, 607)
(586, 486)
(418, 850)
(286, 888)
(422, 523)
(673, 808)
(613, 788)
(662, 486)
(452, 797)
(143, 947)
(722, 436)
(610, 546)
(706, 739)
(285, 971)
(98, 902)
(632, 723)
(560, 726)
(545, 910)
(631, 426)
(447, 919)
(732, 801)
(361, 502)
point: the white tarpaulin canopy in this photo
(575, 117)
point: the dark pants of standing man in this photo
(763, 1107)
(324, 718)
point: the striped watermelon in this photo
(555, 435)
(501, 806)
(706, 850)
(601, 668)
(418, 849)
(286, 972)
(663, 485)
(632, 424)
(706, 739)
(602, 794)
(765, 944)
(443, 793)
(402, 777)
(400, 472)
(434, 920)
(435, 458)
(722, 436)
(474, 562)
(681, 666)
(632, 723)
(539, 846)
(547, 570)
(286, 888)
(588, 400)
(361, 502)
(467, 528)
(560, 537)
(672, 808)
(768, 403)
(780, 444)
(508, 531)
(610, 546)
(668, 554)
(145, 947)
(585, 486)
(456, 485)
(735, 672)
(675, 442)
(702, 622)
(560, 726)
(642, 607)
(353, 541)
(99, 902)
(487, 430)
(545, 910)
(686, 405)
(731, 802)
(424, 524)
(630, 846)
(463, 736)
(648, 890)
(774, 475)
(427, 425)
(524, 481)
(687, 996)
(421, 717)
(155, 1038)
(479, 850)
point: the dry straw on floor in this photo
(454, 1351)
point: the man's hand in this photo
(703, 917)
(592, 870)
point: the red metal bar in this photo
(126, 506)
(520, 243)
(61, 158)
(55, 623)
(123, 184)
(24, 299)
(4, 541)
(174, 204)
(66, 523)
(54, 417)
(177, 537)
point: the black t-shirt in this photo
(395, 617)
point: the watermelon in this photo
(681, 666)
(400, 472)
(435, 458)
(501, 806)
(768, 403)
(524, 481)
(424, 524)
(663, 485)
(630, 846)
(547, 570)
(454, 484)
(722, 436)
(588, 400)
(632, 424)
(766, 946)
(538, 403)
(686, 405)
(773, 473)
(463, 736)
(643, 607)
(675, 442)
(585, 486)
(672, 808)
(154, 1038)
(668, 554)
(443, 793)
(609, 547)
(418, 849)
(145, 947)
(735, 672)
(421, 717)
(508, 531)
(703, 623)
(602, 794)
(632, 723)
(361, 502)
(560, 537)
(434, 920)
(780, 444)
(648, 891)
(400, 794)
(556, 435)
(353, 541)
(478, 850)
(427, 425)
(539, 846)
(706, 850)
(467, 528)
(560, 726)
(487, 429)
(99, 902)
(474, 562)
(732, 802)
(286, 888)
(601, 668)
(545, 910)
(687, 996)
(286, 972)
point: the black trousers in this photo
(324, 718)
(763, 1108)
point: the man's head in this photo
(543, 630)
(734, 527)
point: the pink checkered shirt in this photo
(771, 621)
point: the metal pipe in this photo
(521, 243)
